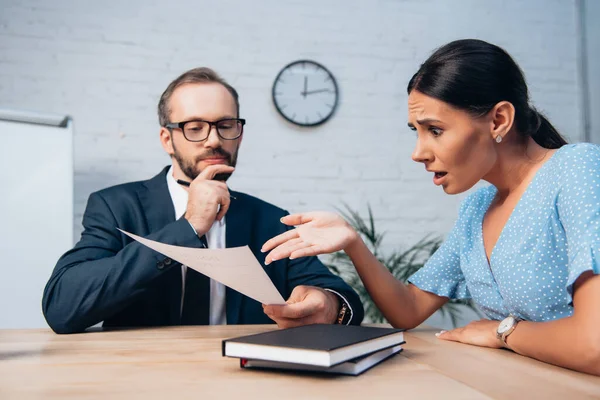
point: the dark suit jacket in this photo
(109, 277)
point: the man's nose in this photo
(213, 140)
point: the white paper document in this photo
(235, 267)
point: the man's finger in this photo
(218, 185)
(292, 311)
(292, 323)
(209, 172)
(279, 239)
(298, 294)
(224, 201)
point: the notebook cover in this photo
(322, 337)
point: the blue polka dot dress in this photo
(550, 239)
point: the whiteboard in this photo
(36, 210)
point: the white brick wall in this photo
(106, 63)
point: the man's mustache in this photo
(215, 153)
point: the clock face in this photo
(305, 93)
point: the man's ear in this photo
(502, 119)
(166, 139)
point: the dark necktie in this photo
(196, 301)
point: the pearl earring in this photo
(498, 139)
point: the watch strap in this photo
(341, 318)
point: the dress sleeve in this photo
(578, 206)
(442, 274)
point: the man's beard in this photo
(192, 170)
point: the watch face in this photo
(506, 324)
(305, 93)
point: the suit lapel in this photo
(237, 233)
(156, 202)
(159, 210)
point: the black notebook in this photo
(352, 367)
(320, 345)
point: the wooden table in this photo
(185, 362)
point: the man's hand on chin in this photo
(306, 305)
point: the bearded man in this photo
(107, 277)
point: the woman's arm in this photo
(404, 306)
(572, 342)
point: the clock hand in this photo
(316, 91)
(305, 86)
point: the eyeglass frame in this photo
(180, 125)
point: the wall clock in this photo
(305, 93)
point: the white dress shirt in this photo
(215, 239)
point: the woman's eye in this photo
(435, 131)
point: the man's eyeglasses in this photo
(198, 130)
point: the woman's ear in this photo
(502, 117)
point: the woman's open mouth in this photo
(438, 178)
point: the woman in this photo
(526, 248)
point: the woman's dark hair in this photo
(474, 76)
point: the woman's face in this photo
(457, 148)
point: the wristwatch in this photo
(506, 327)
(343, 315)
